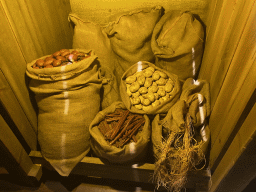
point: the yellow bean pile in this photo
(148, 88)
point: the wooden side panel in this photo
(226, 22)
(237, 89)
(15, 159)
(14, 110)
(29, 30)
(240, 157)
(229, 66)
(41, 27)
(12, 71)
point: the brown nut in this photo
(49, 57)
(49, 61)
(65, 53)
(57, 53)
(56, 63)
(61, 58)
(48, 66)
(40, 62)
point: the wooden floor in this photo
(52, 182)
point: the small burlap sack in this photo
(194, 100)
(177, 43)
(180, 138)
(164, 106)
(130, 35)
(68, 98)
(128, 153)
(89, 35)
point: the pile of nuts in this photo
(148, 88)
(60, 58)
(121, 127)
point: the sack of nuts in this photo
(147, 89)
(119, 135)
(63, 83)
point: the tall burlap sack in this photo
(68, 98)
(89, 35)
(130, 35)
(128, 153)
(194, 100)
(177, 43)
(163, 107)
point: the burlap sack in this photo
(196, 93)
(89, 35)
(130, 35)
(128, 153)
(163, 107)
(194, 100)
(177, 43)
(68, 98)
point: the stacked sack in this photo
(144, 89)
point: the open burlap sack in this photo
(195, 101)
(165, 105)
(89, 35)
(180, 138)
(130, 35)
(177, 43)
(128, 153)
(68, 98)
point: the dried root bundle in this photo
(180, 154)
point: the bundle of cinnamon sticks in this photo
(121, 127)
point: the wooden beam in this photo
(15, 159)
(236, 91)
(226, 24)
(13, 109)
(237, 167)
(95, 167)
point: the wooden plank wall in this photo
(102, 9)
(15, 159)
(29, 30)
(237, 167)
(229, 65)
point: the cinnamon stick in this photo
(123, 130)
(132, 132)
(120, 123)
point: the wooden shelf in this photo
(95, 167)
